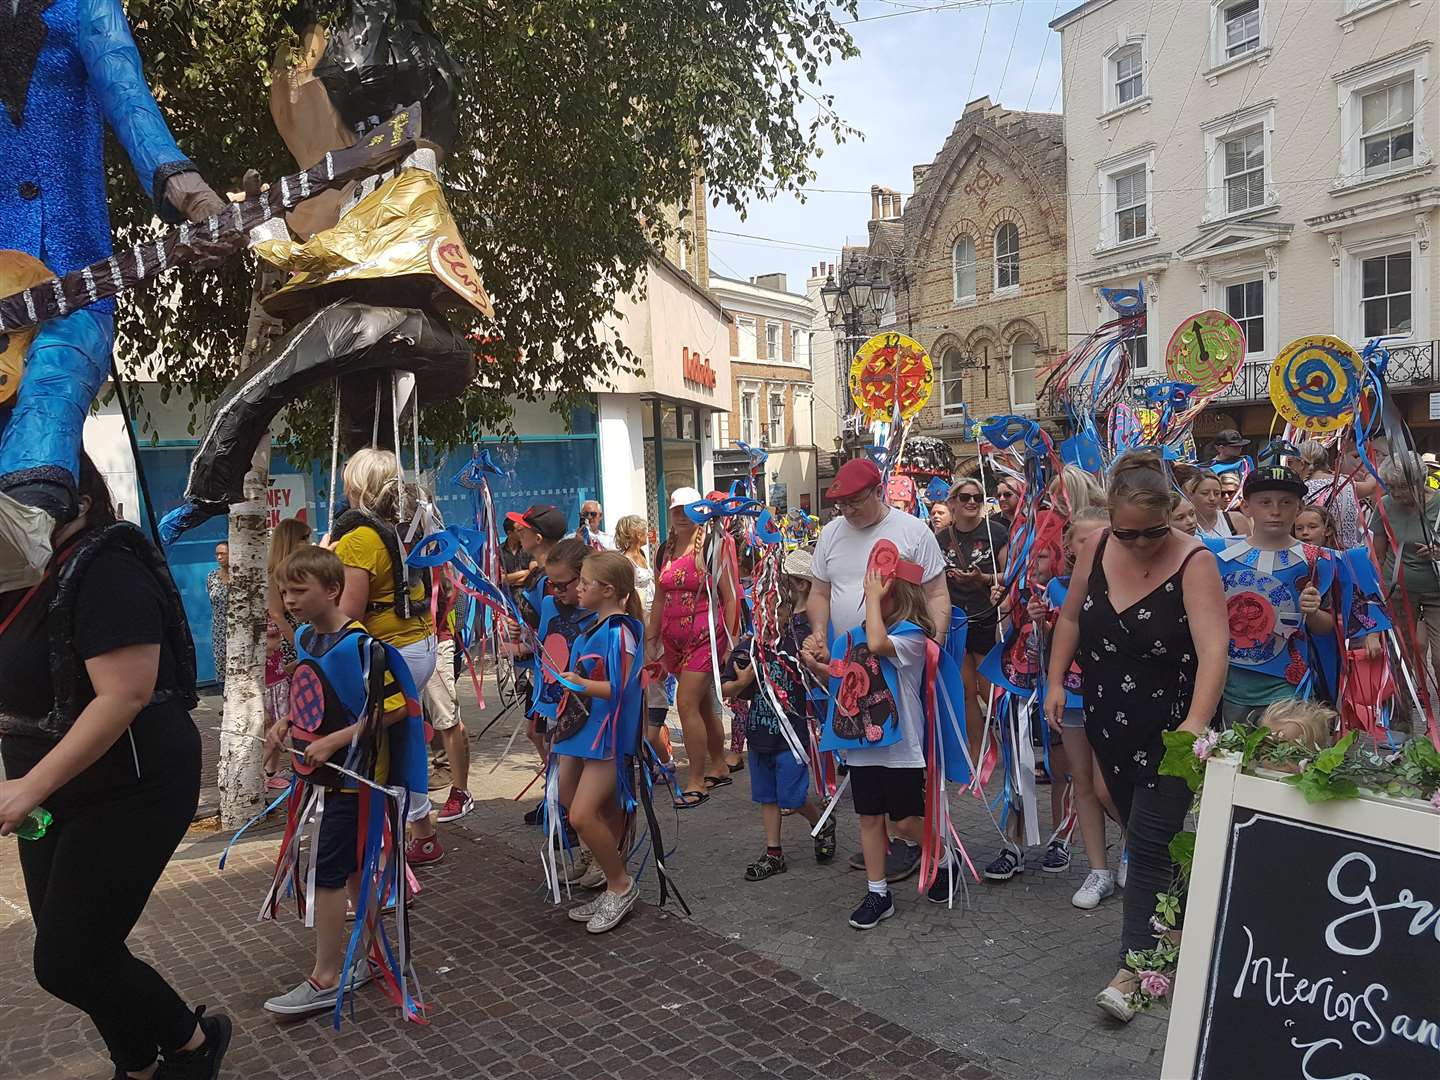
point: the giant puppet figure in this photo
(67, 68)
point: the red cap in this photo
(885, 558)
(855, 476)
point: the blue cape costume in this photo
(1268, 635)
(596, 727)
(558, 631)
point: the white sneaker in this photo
(1115, 1005)
(576, 869)
(1097, 886)
(594, 878)
(1124, 871)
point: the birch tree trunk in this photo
(242, 724)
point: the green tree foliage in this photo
(581, 119)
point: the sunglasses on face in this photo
(559, 586)
(967, 498)
(590, 514)
(1126, 536)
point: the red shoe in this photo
(456, 806)
(426, 852)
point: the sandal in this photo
(738, 766)
(691, 799)
(766, 866)
(718, 781)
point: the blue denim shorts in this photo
(779, 779)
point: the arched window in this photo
(962, 265)
(953, 365)
(1007, 256)
(1022, 374)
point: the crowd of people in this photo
(1117, 632)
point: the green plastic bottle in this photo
(36, 823)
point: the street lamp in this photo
(850, 304)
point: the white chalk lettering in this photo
(1426, 917)
(1311, 1049)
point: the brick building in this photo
(770, 393)
(976, 261)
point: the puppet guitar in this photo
(34, 294)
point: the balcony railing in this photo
(1410, 365)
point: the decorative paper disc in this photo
(1315, 382)
(1206, 349)
(891, 367)
(1263, 613)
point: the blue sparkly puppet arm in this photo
(118, 82)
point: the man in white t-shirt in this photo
(837, 601)
(837, 598)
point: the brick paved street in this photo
(765, 980)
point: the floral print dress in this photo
(1138, 672)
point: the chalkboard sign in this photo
(1327, 956)
(1311, 947)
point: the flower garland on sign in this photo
(1342, 771)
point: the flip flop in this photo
(739, 766)
(718, 781)
(688, 800)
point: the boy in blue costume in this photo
(1282, 642)
(351, 703)
(67, 69)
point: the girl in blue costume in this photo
(597, 731)
(897, 706)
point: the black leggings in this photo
(1153, 816)
(89, 878)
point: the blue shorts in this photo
(777, 778)
(1073, 718)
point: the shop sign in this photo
(285, 499)
(697, 370)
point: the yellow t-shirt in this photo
(363, 549)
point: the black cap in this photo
(1274, 478)
(1231, 437)
(545, 519)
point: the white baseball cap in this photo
(684, 497)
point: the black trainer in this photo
(945, 880)
(825, 842)
(903, 860)
(873, 910)
(1057, 857)
(202, 1063)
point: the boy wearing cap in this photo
(1281, 634)
(1229, 447)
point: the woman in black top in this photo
(97, 677)
(1151, 616)
(975, 546)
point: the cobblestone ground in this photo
(1008, 977)
(765, 980)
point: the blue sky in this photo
(916, 69)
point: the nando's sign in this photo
(698, 371)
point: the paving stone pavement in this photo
(766, 979)
(1007, 977)
(518, 990)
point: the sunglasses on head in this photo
(1127, 535)
(968, 497)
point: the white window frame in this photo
(775, 416)
(1012, 289)
(1224, 129)
(1389, 133)
(1352, 85)
(749, 395)
(1107, 172)
(1110, 102)
(1362, 298)
(1348, 297)
(1016, 404)
(960, 295)
(797, 355)
(1134, 365)
(1252, 352)
(746, 330)
(774, 343)
(949, 408)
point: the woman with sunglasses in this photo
(975, 548)
(1153, 622)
